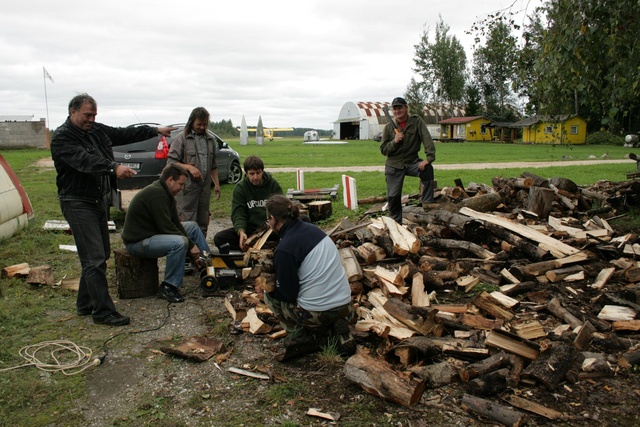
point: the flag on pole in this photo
(47, 75)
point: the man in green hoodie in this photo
(248, 212)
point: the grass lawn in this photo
(32, 314)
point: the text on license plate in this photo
(131, 165)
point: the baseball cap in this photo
(398, 101)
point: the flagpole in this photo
(46, 101)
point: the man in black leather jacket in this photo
(83, 156)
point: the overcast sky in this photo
(295, 63)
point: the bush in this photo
(604, 137)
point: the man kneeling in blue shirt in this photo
(312, 299)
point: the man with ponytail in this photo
(312, 299)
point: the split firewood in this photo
(371, 253)
(21, 269)
(390, 276)
(560, 248)
(257, 241)
(563, 273)
(351, 266)
(255, 325)
(404, 241)
(603, 277)
(533, 407)
(492, 410)
(626, 325)
(266, 282)
(378, 378)
(419, 298)
(235, 307)
(479, 322)
(262, 257)
(507, 342)
(379, 328)
(529, 329)
(615, 312)
(492, 306)
(405, 315)
(584, 336)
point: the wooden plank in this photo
(530, 406)
(523, 230)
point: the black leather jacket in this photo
(84, 160)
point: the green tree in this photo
(415, 98)
(441, 65)
(591, 60)
(473, 101)
(494, 68)
(224, 128)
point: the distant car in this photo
(149, 157)
(378, 137)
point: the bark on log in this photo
(376, 377)
(490, 364)
(560, 248)
(553, 365)
(492, 410)
(41, 275)
(489, 384)
(531, 251)
(135, 277)
(437, 375)
(540, 201)
(350, 263)
(405, 314)
(538, 181)
(371, 253)
(320, 210)
(556, 308)
(477, 250)
(482, 202)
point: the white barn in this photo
(363, 120)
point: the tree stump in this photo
(319, 210)
(135, 277)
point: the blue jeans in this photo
(88, 222)
(395, 181)
(174, 247)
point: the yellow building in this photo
(460, 129)
(560, 129)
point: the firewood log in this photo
(376, 377)
(492, 410)
(351, 266)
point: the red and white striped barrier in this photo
(349, 192)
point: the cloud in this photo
(295, 63)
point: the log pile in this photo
(534, 290)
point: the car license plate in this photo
(132, 165)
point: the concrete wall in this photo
(24, 134)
